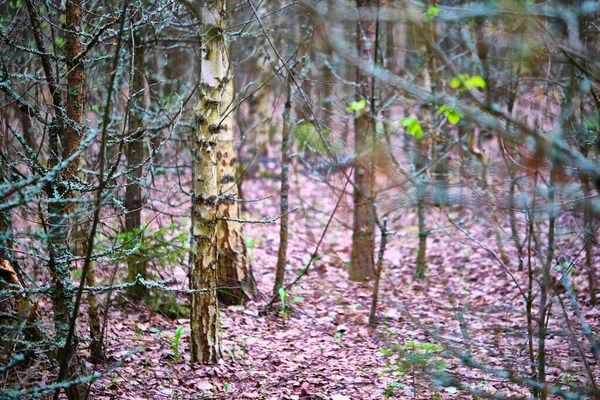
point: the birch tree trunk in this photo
(235, 280)
(206, 347)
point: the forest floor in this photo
(325, 348)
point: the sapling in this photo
(174, 343)
(285, 309)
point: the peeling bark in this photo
(235, 280)
(206, 346)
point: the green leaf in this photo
(60, 41)
(282, 295)
(416, 130)
(408, 121)
(297, 299)
(455, 83)
(466, 82)
(357, 106)
(476, 81)
(451, 390)
(453, 117)
(432, 12)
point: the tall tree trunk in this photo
(363, 238)
(206, 346)
(235, 279)
(135, 157)
(67, 129)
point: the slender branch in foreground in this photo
(267, 220)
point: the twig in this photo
(267, 220)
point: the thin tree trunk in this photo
(136, 265)
(6, 232)
(286, 140)
(423, 232)
(97, 355)
(378, 269)
(588, 237)
(513, 222)
(59, 213)
(363, 239)
(530, 295)
(545, 282)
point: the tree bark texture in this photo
(362, 264)
(285, 189)
(235, 279)
(206, 347)
(135, 158)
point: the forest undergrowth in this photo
(319, 344)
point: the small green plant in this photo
(415, 358)
(138, 332)
(165, 246)
(174, 343)
(285, 309)
(283, 298)
(391, 389)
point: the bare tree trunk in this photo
(589, 239)
(6, 233)
(423, 232)
(97, 354)
(79, 239)
(285, 188)
(378, 269)
(66, 127)
(545, 283)
(206, 346)
(235, 279)
(135, 157)
(363, 239)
